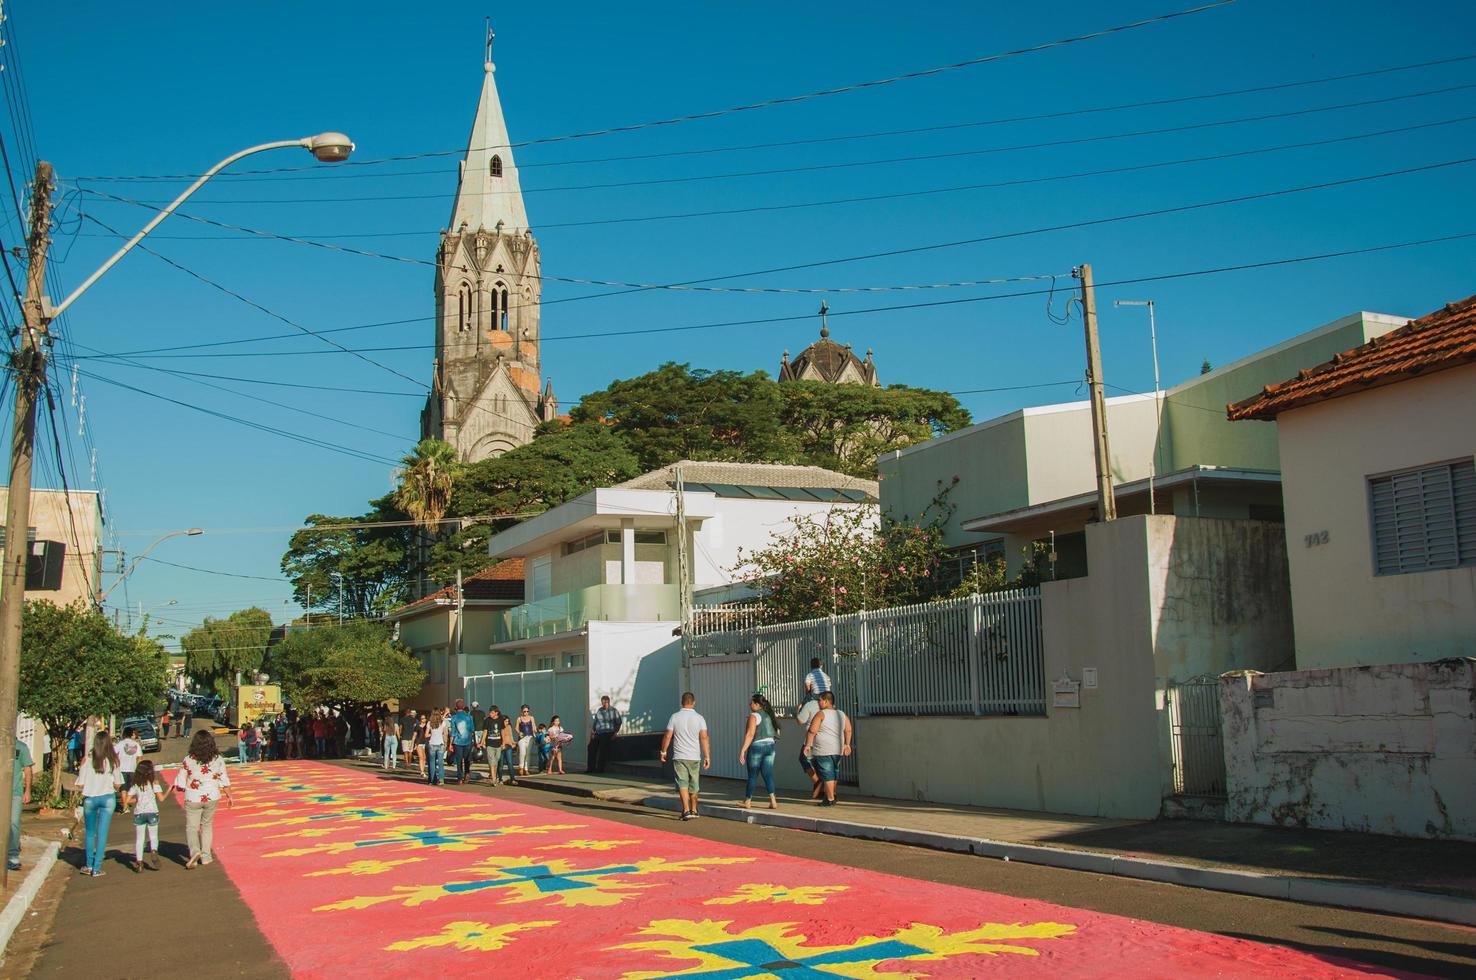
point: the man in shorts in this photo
(687, 743)
(804, 716)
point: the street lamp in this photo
(28, 369)
(144, 612)
(134, 564)
(1157, 394)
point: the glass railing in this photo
(570, 611)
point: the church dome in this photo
(827, 361)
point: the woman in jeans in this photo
(757, 752)
(98, 779)
(527, 731)
(435, 746)
(202, 780)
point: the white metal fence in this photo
(981, 654)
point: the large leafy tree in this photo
(676, 412)
(218, 648)
(846, 427)
(75, 665)
(563, 462)
(346, 666)
(373, 552)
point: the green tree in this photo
(426, 482)
(372, 552)
(847, 427)
(349, 666)
(677, 413)
(218, 648)
(75, 665)
(561, 463)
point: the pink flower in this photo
(843, 590)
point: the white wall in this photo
(1344, 614)
(1168, 598)
(1388, 749)
(639, 666)
(748, 526)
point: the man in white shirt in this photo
(817, 681)
(130, 751)
(686, 740)
(804, 716)
(828, 740)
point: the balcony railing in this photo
(572, 610)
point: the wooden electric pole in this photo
(28, 365)
(1106, 499)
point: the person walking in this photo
(463, 734)
(557, 739)
(817, 681)
(527, 734)
(804, 716)
(144, 797)
(98, 779)
(686, 741)
(757, 754)
(435, 745)
(165, 720)
(183, 720)
(23, 777)
(201, 781)
(605, 725)
(130, 751)
(391, 730)
(827, 742)
(245, 742)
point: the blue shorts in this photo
(827, 767)
(146, 820)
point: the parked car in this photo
(148, 732)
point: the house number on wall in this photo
(1316, 538)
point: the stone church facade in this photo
(487, 392)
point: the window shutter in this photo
(1424, 519)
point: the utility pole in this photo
(28, 364)
(1106, 500)
(684, 575)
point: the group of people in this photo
(828, 740)
(111, 773)
(511, 746)
(180, 718)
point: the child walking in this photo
(143, 798)
(557, 739)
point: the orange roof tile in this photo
(502, 581)
(1439, 340)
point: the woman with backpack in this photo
(98, 780)
(757, 754)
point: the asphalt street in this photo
(207, 906)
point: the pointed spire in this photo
(488, 195)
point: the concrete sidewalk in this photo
(1420, 878)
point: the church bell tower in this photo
(487, 392)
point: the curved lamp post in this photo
(134, 564)
(327, 147)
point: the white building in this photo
(602, 571)
(1377, 448)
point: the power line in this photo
(852, 87)
(319, 241)
(212, 571)
(343, 172)
(846, 165)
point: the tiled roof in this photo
(749, 474)
(1443, 339)
(503, 581)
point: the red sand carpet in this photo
(345, 871)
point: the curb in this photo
(15, 909)
(1368, 898)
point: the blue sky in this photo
(132, 90)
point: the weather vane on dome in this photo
(824, 328)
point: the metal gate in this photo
(723, 686)
(1196, 737)
(547, 692)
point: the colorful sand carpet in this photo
(343, 869)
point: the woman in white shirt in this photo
(202, 780)
(98, 779)
(435, 743)
(130, 751)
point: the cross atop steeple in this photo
(490, 35)
(824, 327)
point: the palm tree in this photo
(427, 476)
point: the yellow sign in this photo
(257, 701)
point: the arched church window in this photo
(499, 306)
(464, 307)
(496, 312)
(496, 166)
(504, 309)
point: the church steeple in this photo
(488, 193)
